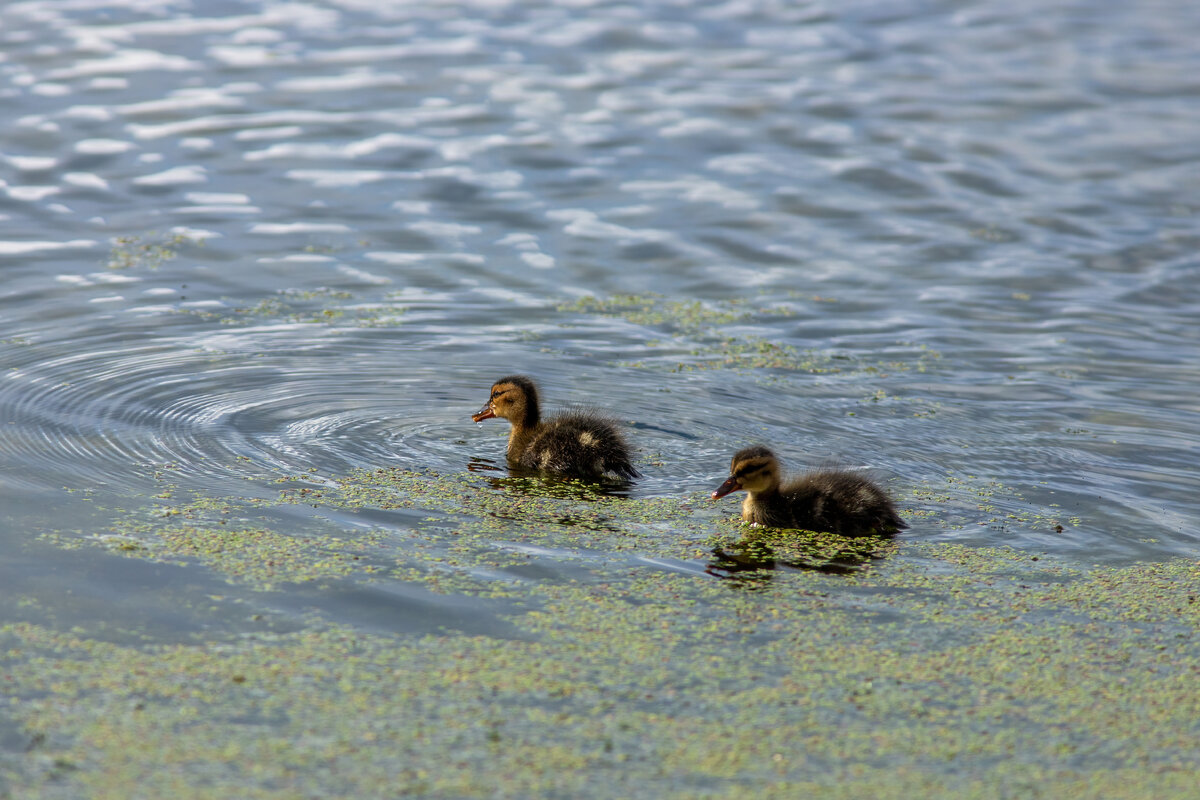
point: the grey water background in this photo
(999, 199)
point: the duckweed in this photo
(150, 250)
(654, 309)
(312, 306)
(683, 654)
(701, 337)
(882, 683)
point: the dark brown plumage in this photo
(837, 501)
(579, 443)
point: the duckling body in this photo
(578, 443)
(836, 501)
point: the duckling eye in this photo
(496, 394)
(748, 470)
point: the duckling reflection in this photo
(534, 483)
(581, 444)
(751, 561)
(524, 484)
(837, 501)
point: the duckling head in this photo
(755, 469)
(514, 398)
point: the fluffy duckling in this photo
(578, 443)
(837, 501)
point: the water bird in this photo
(832, 500)
(578, 443)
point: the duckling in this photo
(579, 443)
(830, 500)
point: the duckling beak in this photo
(484, 413)
(730, 485)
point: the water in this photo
(954, 244)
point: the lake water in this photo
(252, 247)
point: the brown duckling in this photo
(830, 500)
(579, 443)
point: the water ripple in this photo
(260, 240)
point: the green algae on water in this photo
(452, 533)
(703, 335)
(150, 250)
(651, 667)
(881, 684)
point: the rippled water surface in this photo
(955, 244)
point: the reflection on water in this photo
(525, 481)
(751, 560)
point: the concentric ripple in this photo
(248, 241)
(111, 416)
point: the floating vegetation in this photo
(889, 683)
(656, 310)
(149, 250)
(286, 309)
(312, 306)
(466, 533)
(769, 663)
(485, 527)
(700, 338)
(256, 554)
(321, 306)
(761, 549)
(753, 352)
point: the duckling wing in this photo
(842, 502)
(580, 444)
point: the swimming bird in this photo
(578, 443)
(830, 500)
